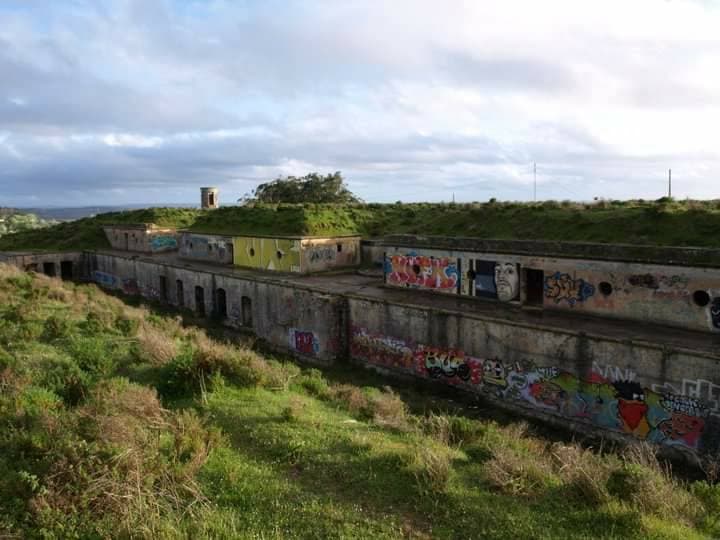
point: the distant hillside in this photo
(663, 222)
(68, 213)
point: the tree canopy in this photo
(311, 188)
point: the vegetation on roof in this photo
(665, 222)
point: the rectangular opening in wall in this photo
(163, 289)
(221, 303)
(200, 300)
(49, 269)
(534, 284)
(66, 270)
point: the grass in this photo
(121, 421)
(664, 222)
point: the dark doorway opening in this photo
(127, 242)
(163, 289)
(221, 303)
(246, 307)
(180, 292)
(49, 269)
(66, 270)
(200, 300)
(534, 286)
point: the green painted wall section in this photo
(280, 254)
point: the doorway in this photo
(49, 269)
(66, 270)
(163, 289)
(246, 307)
(200, 300)
(221, 299)
(534, 286)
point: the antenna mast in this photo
(669, 183)
(534, 181)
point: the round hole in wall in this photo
(701, 298)
(416, 269)
(279, 254)
(252, 252)
(605, 288)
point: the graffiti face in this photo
(715, 313)
(494, 373)
(561, 287)
(632, 409)
(506, 281)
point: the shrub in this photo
(515, 473)
(388, 409)
(351, 397)
(155, 347)
(57, 328)
(431, 467)
(315, 384)
(585, 473)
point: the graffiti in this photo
(611, 373)
(451, 364)
(322, 254)
(706, 392)
(507, 281)
(281, 254)
(606, 399)
(422, 272)
(715, 313)
(159, 243)
(381, 350)
(561, 287)
(303, 342)
(130, 286)
(104, 280)
(650, 281)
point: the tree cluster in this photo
(311, 188)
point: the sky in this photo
(143, 101)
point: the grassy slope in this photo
(273, 451)
(669, 223)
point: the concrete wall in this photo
(654, 392)
(280, 254)
(297, 255)
(664, 396)
(683, 296)
(206, 247)
(322, 254)
(141, 239)
(65, 265)
(294, 320)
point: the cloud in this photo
(138, 101)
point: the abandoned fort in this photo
(621, 341)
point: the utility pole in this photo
(669, 183)
(534, 181)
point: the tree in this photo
(311, 188)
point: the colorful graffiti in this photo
(422, 272)
(381, 350)
(163, 243)
(104, 279)
(496, 280)
(130, 286)
(602, 399)
(561, 287)
(303, 342)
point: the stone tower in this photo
(209, 197)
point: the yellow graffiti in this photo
(281, 254)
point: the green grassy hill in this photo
(121, 422)
(664, 222)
